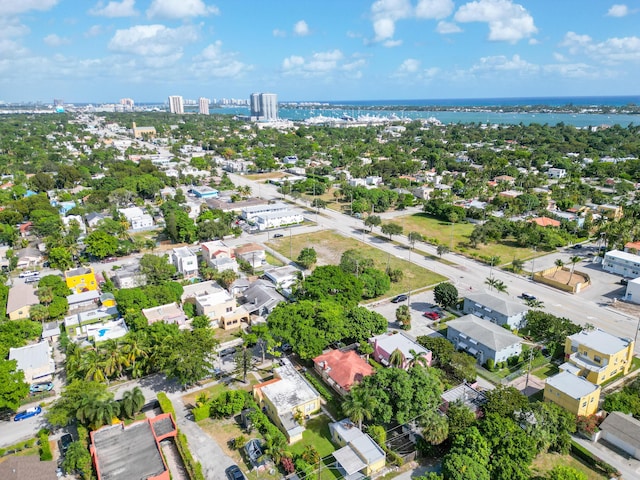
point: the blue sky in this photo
(103, 50)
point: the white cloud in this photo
(533, 41)
(94, 31)
(411, 70)
(503, 63)
(435, 9)
(15, 7)
(113, 9)
(575, 70)
(410, 65)
(301, 29)
(618, 11)
(559, 57)
(292, 62)
(54, 40)
(385, 13)
(355, 65)
(279, 33)
(614, 50)
(575, 42)
(213, 62)
(447, 28)
(392, 43)
(152, 40)
(507, 21)
(323, 64)
(177, 9)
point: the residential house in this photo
(423, 192)
(76, 324)
(266, 221)
(81, 279)
(261, 297)
(483, 340)
(82, 300)
(504, 178)
(556, 172)
(204, 191)
(467, 395)
(359, 456)
(107, 300)
(169, 313)
(75, 218)
(283, 277)
(185, 261)
(219, 256)
(495, 309)
(341, 369)
(573, 393)
(622, 263)
(544, 222)
(385, 344)
(622, 431)
(93, 219)
(35, 360)
(136, 218)
(614, 212)
(51, 331)
(253, 254)
(215, 302)
(28, 467)
(633, 291)
(598, 354)
(632, 247)
(20, 299)
(28, 257)
(287, 399)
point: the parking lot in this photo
(418, 304)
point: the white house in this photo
(251, 212)
(75, 218)
(556, 172)
(36, 361)
(622, 263)
(278, 219)
(136, 218)
(185, 261)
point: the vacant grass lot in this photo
(432, 228)
(266, 176)
(330, 246)
(546, 461)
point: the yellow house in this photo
(81, 279)
(573, 393)
(107, 300)
(20, 299)
(287, 400)
(598, 354)
(359, 452)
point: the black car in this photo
(527, 296)
(234, 473)
(577, 246)
(277, 235)
(228, 351)
(65, 441)
(400, 298)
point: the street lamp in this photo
(533, 264)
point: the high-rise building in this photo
(203, 106)
(176, 104)
(264, 106)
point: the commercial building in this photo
(264, 106)
(483, 340)
(384, 345)
(35, 360)
(250, 213)
(622, 263)
(205, 192)
(573, 393)
(203, 106)
(266, 221)
(81, 279)
(496, 310)
(287, 399)
(176, 104)
(122, 452)
(185, 261)
(598, 355)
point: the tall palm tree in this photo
(500, 286)
(131, 402)
(115, 358)
(435, 428)
(357, 406)
(45, 295)
(517, 265)
(491, 281)
(93, 366)
(417, 358)
(559, 263)
(396, 359)
(574, 261)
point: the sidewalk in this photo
(629, 467)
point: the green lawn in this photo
(546, 461)
(329, 247)
(438, 231)
(316, 434)
(271, 260)
(546, 371)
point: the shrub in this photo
(491, 364)
(230, 402)
(201, 412)
(193, 468)
(45, 447)
(304, 468)
(287, 464)
(165, 404)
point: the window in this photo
(597, 359)
(229, 309)
(574, 349)
(584, 404)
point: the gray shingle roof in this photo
(623, 426)
(497, 304)
(486, 333)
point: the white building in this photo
(278, 219)
(74, 218)
(264, 106)
(622, 263)
(35, 360)
(203, 106)
(556, 172)
(185, 261)
(250, 213)
(176, 104)
(137, 218)
(633, 291)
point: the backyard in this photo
(330, 246)
(546, 461)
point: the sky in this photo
(316, 50)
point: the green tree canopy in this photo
(13, 388)
(331, 282)
(445, 294)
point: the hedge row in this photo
(45, 447)
(593, 461)
(324, 391)
(165, 404)
(18, 447)
(264, 425)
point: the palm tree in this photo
(396, 359)
(417, 358)
(559, 264)
(435, 428)
(357, 406)
(115, 358)
(275, 447)
(517, 265)
(132, 401)
(491, 282)
(500, 286)
(574, 261)
(45, 295)
(93, 366)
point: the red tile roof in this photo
(344, 368)
(545, 222)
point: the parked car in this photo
(41, 387)
(32, 279)
(65, 441)
(624, 281)
(432, 315)
(577, 246)
(228, 351)
(528, 296)
(234, 473)
(278, 235)
(400, 298)
(28, 413)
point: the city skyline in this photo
(147, 50)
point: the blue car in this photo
(41, 387)
(28, 413)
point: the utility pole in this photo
(529, 368)
(533, 264)
(290, 245)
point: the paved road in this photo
(469, 275)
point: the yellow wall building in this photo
(598, 354)
(288, 399)
(81, 279)
(573, 393)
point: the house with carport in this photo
(359, 456)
